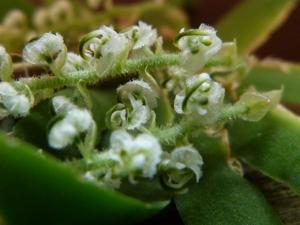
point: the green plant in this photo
(120, 129)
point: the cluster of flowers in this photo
(134, 151)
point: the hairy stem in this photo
(89, 77)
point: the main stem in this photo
(89, 77)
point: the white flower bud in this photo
(202, 97)
(140, 155)
(74, 122)
(49, 49)
(197, 46)
(181, 166)
(14, 103)
(6, 68)
(62, 134)
(142, 35)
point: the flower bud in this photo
(49, 49)
(74, 122)
(179, 167)
(14, 103)
(6, 68)
(202, 97)
(256, 104)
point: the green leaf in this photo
(6, 6)
(37, 190)
(251, 22)
(273, 74)
(271, 145)
(222, 196)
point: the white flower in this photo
(49, 49)
(74, 122)
(131, 118)
(62, 134)
(62, 104)
(6, 68)
(197, 46)
(104, 42)
(181, 166)
(138, 89)
(142, 35)
(203, 97)
(139, 155)
(14, 103)
(74, 63)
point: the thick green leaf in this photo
(271, 145)
(222, 196)
(252, 21)
(6, 6)
(274, 74)
(36, 190)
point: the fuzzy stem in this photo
(88, 77)
(232, 112)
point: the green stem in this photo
(169, 135)
(232, 112)
(89, 77)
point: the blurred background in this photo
(284, 43)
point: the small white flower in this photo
(49, 49)
(129, 118)
(104, 42)
(74, 63)
(14, 103)
(198, 46)
(62, 104)
(62, 134)
(142, 35)
(203, 97)
(181, 166)
(74, 122)
(140, 154)
(6, 68)
(138, 89)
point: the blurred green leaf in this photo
(36, 190)
(271, 145)
(222, 196)
(7, 5)
(252, 21)
(273, 74)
